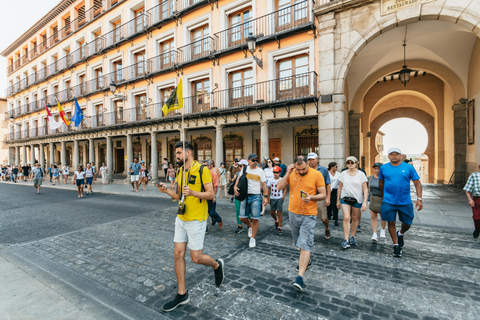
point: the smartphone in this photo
(303, 194)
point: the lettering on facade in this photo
(389, 6)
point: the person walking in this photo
(38, 177)
(191, 220)
(352, 196)
(472, 190)
(217, 194)
(94, 167)
(240, 164)
(375, 202)
(277, 162)
(50, 172)
(79, 180)
(269, 170)
(223, 180)
(394, 182)
(89, 176)
(135, 174)
(212, 204)
(66, 172)
(332, 210)
(307, 186)
(312, 158)
(252, 205)
(165, 168)
(25, 171)
(232, 174)
(14, 173)
(104, 173)
(275, 199)
(171, 176)
(56, 174)
(143, 175)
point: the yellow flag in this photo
(62, 114)
(175, 101)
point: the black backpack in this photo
(242, 185)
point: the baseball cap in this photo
(243, 162)
(252, 156)
(277, 169)
(65, 163)
(312, 155)
(352, 158)
(276, 159)
(235, 160)
(394, 149)
(377, 164)
(142, 161)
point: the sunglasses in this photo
(350, 162)
(254, 160)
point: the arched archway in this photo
(416, 114)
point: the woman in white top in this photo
(66, 172)
(269, 170)
(332, 209)
(104, 173)
(79, 179)
(353, 192)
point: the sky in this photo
(18, 16)
(407, 134)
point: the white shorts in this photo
(134, 177)
(192, 232)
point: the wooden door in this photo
(119, 160)
(275, 148)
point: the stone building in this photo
(3, 132)
(323, 76)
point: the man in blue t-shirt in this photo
(394, 181)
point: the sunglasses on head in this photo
(350, 162)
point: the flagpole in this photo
(183, 134)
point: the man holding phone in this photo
(307, 186)
(191, 222)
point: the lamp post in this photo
(113, 89)
(252, 43)
(405, 72)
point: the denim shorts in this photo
(252, 206)
(192, 232)
(405, 212)
(356, 205)
(276, 204)
(303, 230)
(89, 180)
(80, 182)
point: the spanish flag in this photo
(62, 114)
(175, 101)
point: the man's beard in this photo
(180, 162)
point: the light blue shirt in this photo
(396, 179)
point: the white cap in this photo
(276, 159)
(244, 162)
(312, 155)
(397, 150)
(352, 158)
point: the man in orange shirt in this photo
(307, 186)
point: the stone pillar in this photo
(17, 155)
(76, 154)
(51, 159)
(32, 154)
(84, 158)
(91, 150)
(154, 152)
(354, 135)
(218, 145)
(63, 153)
(11, 156)
(331, 131)
(164, 151)
(264, 144)
(129, 149)
(460, 139)
(110, 159)
(24, 155)
(41, 156)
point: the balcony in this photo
(127, 30)
(196, 50)
(25, 134)
(33, 132)
(162, 62)
(163, 11)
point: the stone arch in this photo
(419, 115)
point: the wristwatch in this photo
(265, 196)
(420, 199)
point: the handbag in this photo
(375, 201)
(350, 200)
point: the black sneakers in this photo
(219, 273)
(400, 240)
(397, 251)
(178, 301)
(475, 234)
(308, 265)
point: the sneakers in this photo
(239, 229)
(353, 242)
(359, 229)
(219, 273)
(335, 223)
(252, 243)
(475, 234)
(308, 265)
(299, 284)
(382, 233)
(276, 224)
(280, 231)
(249, 232)
(400, 240)
(374, 237)
(213, 222)
(345, 244)
(397, 251)
(327, 234)
(178, 301)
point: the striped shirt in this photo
(473, 184)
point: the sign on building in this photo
(390, 6)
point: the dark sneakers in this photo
(239, 229)
(178, 301)
(219, 273)
(400, 240)
(299, 284)
(476, 234)
(397, 251)
(308, 265)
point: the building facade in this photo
(323, 77)
(4, 149)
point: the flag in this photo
(51, 120)
(175, 101)
(77, 114)
(63, 116)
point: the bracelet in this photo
(420, 199)
(265, 196)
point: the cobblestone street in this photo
(118, 251)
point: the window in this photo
(293, 78)
(291, 13)
(98, 41)
(139, 20)
(200, 42)
(203, 149)
(98, 78)
(140, 109)
(117, 31)
(167, 9)
(233, 148)
(67, 89)
(81, 81)
(99, 115)
(201, 98)
(117, 67)
(241, 88)
(167, 54)
(118, 105)
(240, 26)
(140, 67)
(164, 95)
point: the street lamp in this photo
(113, 88)
(252, 43)
(405, 72)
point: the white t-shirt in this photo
(165, 164)
(80, 175)
(274, 192)
(66, 170)
(352, 186)
(334, 180)
(268, 174)
(103, 170)
(255, 177)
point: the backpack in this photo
(242, 186)
(41, 171)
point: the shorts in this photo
(322, 209)
(276, 204)
(405, 212)
(37, 182)
(192, 232)
(303, 230)
(80, 182)
(171, 179)
(89, 180)
(14, 176)
(20, 174)
(252, 206)
(134, 177)
(356, 205)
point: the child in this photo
(275, 199)
(79, 179)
